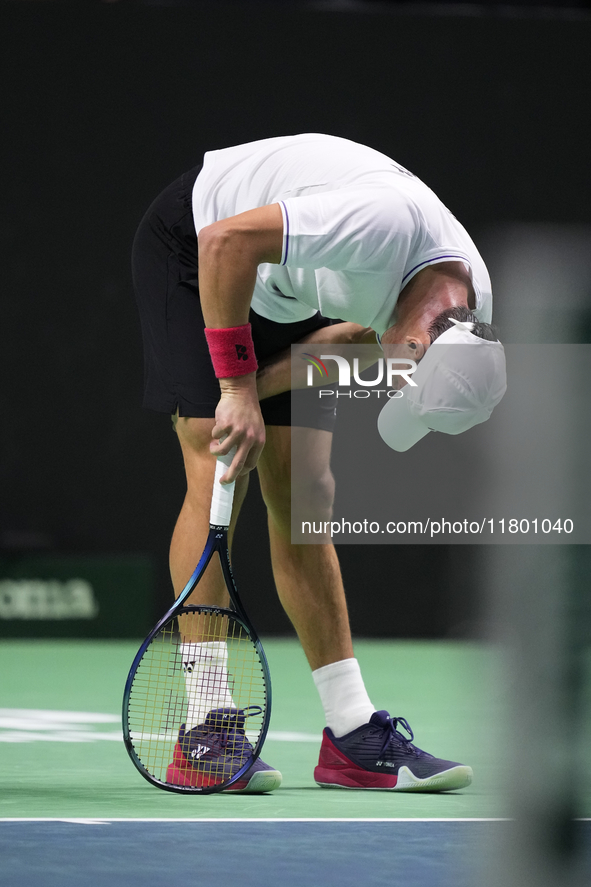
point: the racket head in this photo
(166, 746)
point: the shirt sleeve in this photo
(369, 230)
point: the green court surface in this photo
(63, 757)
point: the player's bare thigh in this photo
(195, 437)
(192, 525)
(302, 456)
(310, 464)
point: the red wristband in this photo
(232, 351)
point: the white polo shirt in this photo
(356, 227)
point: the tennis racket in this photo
(197, 700)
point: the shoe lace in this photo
(221, 738)
(392, 734)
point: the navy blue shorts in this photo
(178, 372)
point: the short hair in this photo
(443, 322)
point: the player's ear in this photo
(416, 347)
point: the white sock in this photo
(343, 696)
(206, 678)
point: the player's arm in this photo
(276, 374)
(230, 251)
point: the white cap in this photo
(459, 381)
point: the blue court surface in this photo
(103, 853)
(249, 853)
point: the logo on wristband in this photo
(232, 351)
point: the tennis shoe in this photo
(378, 756)
(213, 751)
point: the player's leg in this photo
(203, 637)
(308, 577)
(192, 526)
(206, 666)
(361, 747)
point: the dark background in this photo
(104, 104)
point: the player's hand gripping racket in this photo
(197, 700)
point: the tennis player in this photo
(319, 239)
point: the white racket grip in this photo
(223, 494)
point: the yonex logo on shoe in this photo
(241, 352)
(199, 751)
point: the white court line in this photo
(19, 725)
(264, 819)
(252, 819)
(272, 736)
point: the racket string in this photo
(160, 700)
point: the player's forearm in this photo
(277, 374)
(227, 275)
(229, 253)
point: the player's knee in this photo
(315, 495)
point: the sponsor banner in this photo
(75, 596)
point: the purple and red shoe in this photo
(378, 756)
(211, 752)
